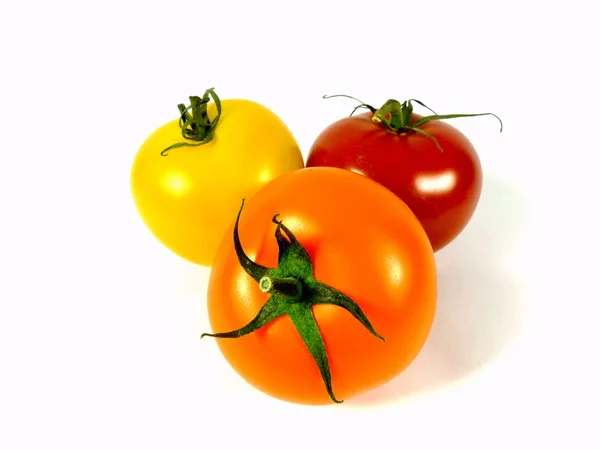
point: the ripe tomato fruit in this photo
(428, 163)
(327, 289)
(189, 174)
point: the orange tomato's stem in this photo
(197, 126)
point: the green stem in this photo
(256, 271)
(289, 288)
(197, 126)
(397, 117)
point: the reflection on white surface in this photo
(176, 184)
(484, 299)
(437, 183)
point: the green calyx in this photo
(397, 117)
(293, 290)
(197, 126)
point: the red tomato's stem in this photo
(397, 117)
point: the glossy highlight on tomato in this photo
(363, 242)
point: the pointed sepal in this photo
(306, 325)
(326, 295)
(256, 271)
(274, 308)
(294, 260)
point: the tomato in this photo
(432, 166)
(186, 195)
(332, 297)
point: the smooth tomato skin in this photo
(363, 241)
(188, 198)
(441, 188)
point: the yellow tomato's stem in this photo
(197, 126)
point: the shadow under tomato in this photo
(482, 303)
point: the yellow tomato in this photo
(188, 197)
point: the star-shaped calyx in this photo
(293, 290)
(397, 118)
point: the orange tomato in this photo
(364, 245)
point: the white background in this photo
(100, 325)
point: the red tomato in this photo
(334, 296)
(440, 181)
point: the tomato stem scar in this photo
(397, 117)
(288, 287)
(197, 126)
(293, 291)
